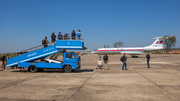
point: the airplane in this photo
(87, 52)
(134, 51)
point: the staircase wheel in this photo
(68, 69)
(33, 69)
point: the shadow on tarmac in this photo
(1, 69)
(56, 71)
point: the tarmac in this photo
(161, 82)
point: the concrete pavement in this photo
(139, 83)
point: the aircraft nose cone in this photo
(93, 52)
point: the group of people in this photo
(4, 59)
(62, 37)
(73, 35)
(122, 59)
(100, 63)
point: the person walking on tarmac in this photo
(3, 59)
(53, 38)
(123, 59)
(148, 59)
(45, 42)
(105, 58)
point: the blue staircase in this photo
(44, 52)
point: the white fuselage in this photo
(132, 50)
(157, 44)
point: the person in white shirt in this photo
(99, 64)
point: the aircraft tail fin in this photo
(157, 44)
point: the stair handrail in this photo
(27, 50)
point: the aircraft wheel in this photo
(68, 69)
(33, 69)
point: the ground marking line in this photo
(80, 86)
(156, 84)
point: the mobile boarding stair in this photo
(61, 45)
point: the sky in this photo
(24, 23)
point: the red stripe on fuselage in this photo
(120, 50)
(102, 50)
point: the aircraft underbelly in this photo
(110, 52)
(134, 52)
(122, 52)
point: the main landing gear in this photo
(134, 56)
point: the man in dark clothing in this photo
(45, 42)
(3, 59)
(53, 38)
(73, 35)
(123, 59)
(148, 59)
(105, 58)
